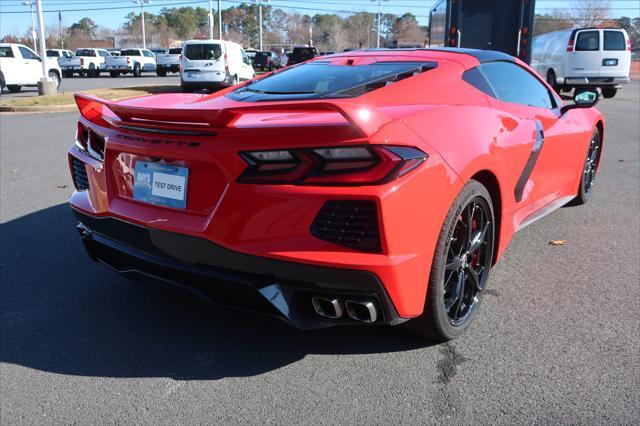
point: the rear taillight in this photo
(226, 63)
(82, 137)
(90, 142)
(570, 45)
(268, 61)
(81, 61)
(354, 165)
(128, 60)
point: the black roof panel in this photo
(480, 55)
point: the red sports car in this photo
(368, 187)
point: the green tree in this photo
(185, 21)
(85, 25)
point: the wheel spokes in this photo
(474, 278)
(457, 293)
(478, 240)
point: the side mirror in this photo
(583, 98)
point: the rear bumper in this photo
(596, 81)
(169, 67)
(118, 68)
(273, 287)
(207, 80)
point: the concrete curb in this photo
(39, 108)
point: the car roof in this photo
(469, 58)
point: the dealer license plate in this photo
(161, 184)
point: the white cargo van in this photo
(213, 64)
(584, 57)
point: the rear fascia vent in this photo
(80, 178)
(352, 224)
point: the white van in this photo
(583, 57)
(213, 64)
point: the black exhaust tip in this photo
(327, 307)
(362, 310)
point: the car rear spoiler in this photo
(202, 121)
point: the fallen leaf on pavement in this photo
(557, 242)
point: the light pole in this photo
(211, 19)
(259, 2)
(142, 3)
(33, 25)
(379, 5)
(219, 20)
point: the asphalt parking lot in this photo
(557, 339)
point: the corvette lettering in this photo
(155, 141)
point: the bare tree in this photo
(591, 13)
(552, 22)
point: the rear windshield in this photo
(320, 79)
(53, 53)
(6, 52)
(202, 52)
(588, 41)
(614, 40)
(260, 56)
(175, 51)
(85, 52)
(130, 52)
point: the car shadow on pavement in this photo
(63, 313)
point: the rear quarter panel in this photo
(473, 139)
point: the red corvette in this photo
(369, 187)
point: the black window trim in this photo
(589, 30)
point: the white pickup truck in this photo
(21, 66)
(132, 61)
(85, 62)
(168, 62)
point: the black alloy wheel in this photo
(591, 163)
(469, 257)
(589, 169)
(461, 265)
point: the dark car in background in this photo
(265, 61)
(301, 54)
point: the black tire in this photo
(609, 92)
(92, 71)
(67, 74)
(162, 72)
(114, 74)
(474, 205)
(137, 72)
(589, 169)
(55, 77)
(552, 81)
(14, 88)
(2, 82)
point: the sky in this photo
(19, 23)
